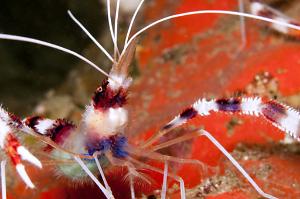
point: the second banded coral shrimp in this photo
(100, 140)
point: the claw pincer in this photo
(11, 145)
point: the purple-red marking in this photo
(229, 105)
(188, 114)
(105, 97)
(60, 130)
(274, 111)
(15, 120)
(32, 122)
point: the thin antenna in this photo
(282, 23)
(90, 36)
(110, 24)
(242, 24)
(3, 179)
(102, 173)
(107, 194)
(164, 185)
(236, 164)
(43, 43)
(132, 21)
(116, 50)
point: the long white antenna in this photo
(236, 164)
(132, 21)
(107, 194)
(43, 43)
(116, 50)
(282, 23)
(242, 24)
(90, 36)
(3, 179)
(110, 24)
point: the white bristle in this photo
(291, 123)
(44, 125)
(3, 115)
(251, 106)
(203, 107)
(288, 139)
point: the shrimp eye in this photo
(105, 97)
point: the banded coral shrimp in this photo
(223, 105)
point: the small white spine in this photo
(23, 174)
(26, 155)
(44, 125)
(251, 106)
(203, 106)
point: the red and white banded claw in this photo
(11, 145)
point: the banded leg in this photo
(57, 130)
(52, 132)
(279, 115)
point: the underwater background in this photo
(176, 63)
